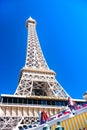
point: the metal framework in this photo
(9, 123)
(36, 79)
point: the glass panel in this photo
(14, 100)
(49, 102)
(39, 101)
(44, 102)
(20, 100)
(1, 99)
(34, 101)
(61, 103)
(9, 100)
(53, 102)
(29, 101)
(25, 101)
(57, 103)
(4, 99)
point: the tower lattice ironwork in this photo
(36, 80)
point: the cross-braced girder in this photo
(40, 85)
(8, 123)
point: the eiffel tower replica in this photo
(37, 88)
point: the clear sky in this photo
(62, 32)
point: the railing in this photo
(31, 105)
(58, 118)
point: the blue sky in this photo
(62, 32)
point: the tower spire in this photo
(34, 56)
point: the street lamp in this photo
(59, 127)
(46, 127)
(85, 95)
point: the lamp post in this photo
(46, 127)
(59, 127)
(85, 95)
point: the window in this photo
(20, 100)
(39, 101)
(29, 101)
(24, 101)
(53, 102)
(9, 100)
(34, 101)
(4, 99)
(49, 102)
(44, 102)
(14, 100)
(1, 99)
